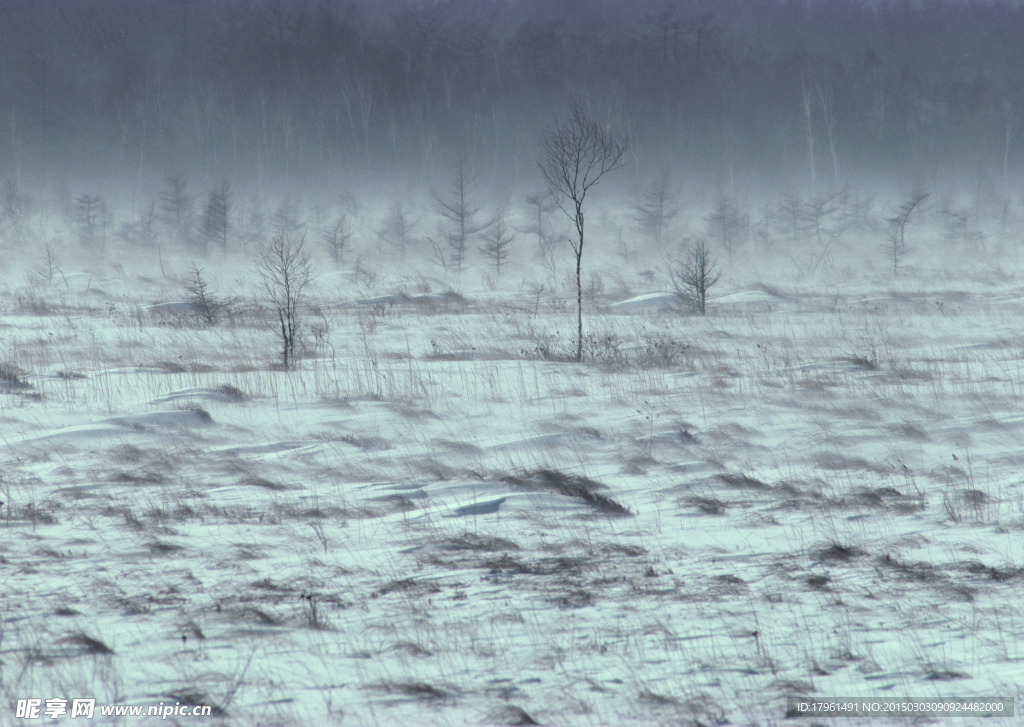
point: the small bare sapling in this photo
(694, 277)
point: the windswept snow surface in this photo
(438, 519)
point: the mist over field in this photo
(510, 362)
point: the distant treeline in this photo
(825, 92)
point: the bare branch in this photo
(285, 269)
(576, 154)
(459, 211)
(693, 278)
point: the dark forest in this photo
(291, 95)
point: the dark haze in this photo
(275, 95)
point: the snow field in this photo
(438, 519)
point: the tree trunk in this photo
(579, 307)
(579, 286)
(284, 340)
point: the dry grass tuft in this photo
(617, 548)
(413, 689)
(576, 486)
(646, 695)
(406, 585)
(510, 715)
(160, 547)
(576, 598)
(743, 482)
(478, 543)
(818, 582)
(837, 552)
(196, 698)
(86, 644)
(263, 484)
(1000, 575)
(229, 393)
(921, 572)
(707, 505)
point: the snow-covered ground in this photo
(816, 490)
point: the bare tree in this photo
(576, 154)
(957, 223)
(460, 212)
(49, 266)
(539, 205)
(144, 233)
(176, 206)
(216, 215)
(693, 278)
(336, 239)
(728, 224)
(256, 228)
(285, 269)
(899, 220)
(818, 209)
(497, 241)
(658, 207)
(894, 250)
(896, 243)
(92, 217)
(208, 307)
(287, 219)
(397, 229)
(789, 216)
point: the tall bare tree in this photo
(176, 207)
(336, 238)
(728, 224)
(896, 244)
(285, 269)
(216, 215)
(397, 229)
(658, 206)
(92, 217)
(497, 241)
(539, 205)
(460, 212)
(577, 152)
